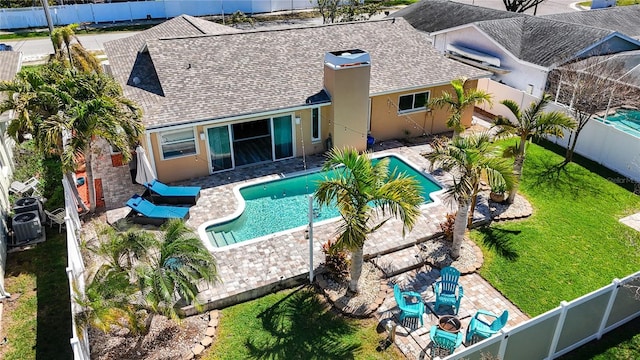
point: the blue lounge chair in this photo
(415, 309)
(448, 291)
(483, 328)
(165, 194)
(145, 212)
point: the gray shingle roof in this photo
(541, 41)
(435, 15)
(213, 77)
(123, 55)
(9, 63)
(623, 19)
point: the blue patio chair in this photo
(483, 328)
(447, 290)
(145, 212)
(444, 340)
(166, 194)
(412, 310)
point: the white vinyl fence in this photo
(75, 272)
(602, 143)
(137, 10)
(566, 327)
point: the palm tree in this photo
(361, 189)
(458, 102)
(533, 122)
(79, 57)
(469, 159)
(139, 271)
(35, 99)
(180, 262)
(95, 107)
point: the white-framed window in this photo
(178, 143)
(413, 102)
(316, 127)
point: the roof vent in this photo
(136, 80)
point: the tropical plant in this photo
(65, 48)
(367, 196)
(469, 159)
(34, 98)
(461, 99)
(95, 107)
(532, 122)
(335, 260)
(139, 271)
(64, 110)
(179, 264)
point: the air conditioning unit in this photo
(27, 204)
(26, 227)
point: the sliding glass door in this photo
(220, 148)
(282, 137)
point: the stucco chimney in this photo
(346, 79)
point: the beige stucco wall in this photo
(184, 167)
(387, 123)
(349, 91)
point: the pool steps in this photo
(221, 238)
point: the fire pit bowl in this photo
(449, 323)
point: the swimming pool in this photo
(625, 120)
(282, 204)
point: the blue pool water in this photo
(283, 204)
(625, 120)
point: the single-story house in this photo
(10, 64)
(521, 50)
(215, 98)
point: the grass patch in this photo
(295, 324)
(37, 323)
(566, 249)
(618, 3)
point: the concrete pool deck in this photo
(253, 269)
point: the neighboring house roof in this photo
(9, 64)
(543, 42)
(435, 15)
(623, 19)
(220, 76)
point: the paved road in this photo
(546, 8)
(38, 49)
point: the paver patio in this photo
(255, 267)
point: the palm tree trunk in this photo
(90, 183)
(474, 200)
(459, 227)
(74, 190)
(518, 163)
(355, 270)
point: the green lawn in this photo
(38, 323)
(572, 245)
(294, 324)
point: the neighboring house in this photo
(522, 50)
(223, 99)
(430, 16)
(10, 63)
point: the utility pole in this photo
(47, 14)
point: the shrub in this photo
(335, 261)
(447, 226)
